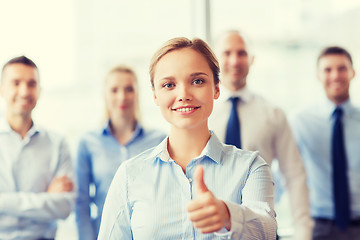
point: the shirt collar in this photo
(33, 130)
(329, 107)
(106, 130)
(244, 94)
(212, 150)
(5, 128)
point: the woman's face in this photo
(184, 88)
(121, 95)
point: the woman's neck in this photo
(187, 144)
(122, 129)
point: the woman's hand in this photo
(207, 213)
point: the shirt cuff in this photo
(237, 222)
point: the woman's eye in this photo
(168, 85)
(129, 89)
(198, 81)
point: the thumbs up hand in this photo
(207, 213)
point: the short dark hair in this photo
(22, 60)
(334, 50)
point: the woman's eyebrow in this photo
(197, 74)
(167, 78)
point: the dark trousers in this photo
(326, 229)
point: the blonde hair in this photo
(129, 70)
(196, 44)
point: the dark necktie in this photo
(340, 181)
(233, 126)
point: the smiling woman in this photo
(102, 151)
(75, 42)
(164, 192)
(185, 98)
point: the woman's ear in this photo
(155, 98)
(217, 91)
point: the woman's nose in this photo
(184, 94)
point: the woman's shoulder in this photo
(94, 133)
(136, 165)
(234, 156)
(239, 157)
(144, 158)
